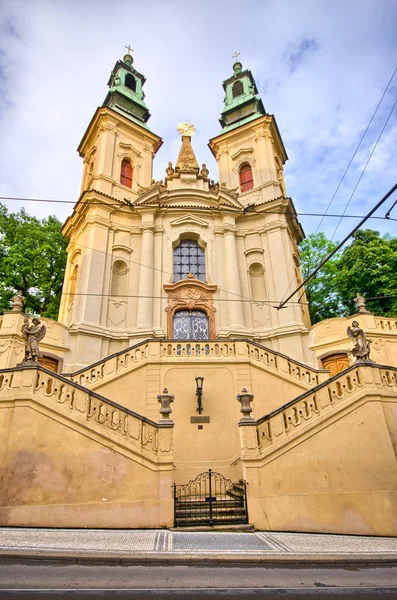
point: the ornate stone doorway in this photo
(190, 310)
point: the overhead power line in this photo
(364, 169)
(331, 254)
(269, 212)
(356, 150)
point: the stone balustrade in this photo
(327, 397)
(132, 431)
(384, 324)
(155, 350)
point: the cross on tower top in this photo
(235, 55)
(129, 49)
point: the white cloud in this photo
(321, 68)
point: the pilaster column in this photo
(233, 286)
(146, 272)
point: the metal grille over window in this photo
(189, 258)
(190, 325)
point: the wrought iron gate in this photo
(210, 499)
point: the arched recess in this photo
(258, 293)
(257, 281)
(118, 285)
(118, 290)
(73, 285)
(190, 294)
(336, 362)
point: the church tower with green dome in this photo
(126, 94)
(249, 149)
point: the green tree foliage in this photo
(32, 259)
(321, 292)
(369, 266)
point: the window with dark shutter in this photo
(126, 173)
(237, 89)
(246, 179)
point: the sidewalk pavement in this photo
(169, 546)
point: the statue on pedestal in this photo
(32, 334)
(361, 347)
(170, 170)
(18, 302)
(360, 304)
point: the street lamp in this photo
(199, 393)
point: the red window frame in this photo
(126, 173)
(246, 178)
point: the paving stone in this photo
(219, 542)
(190, 543)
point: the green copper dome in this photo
(126, 95)
(242, 103)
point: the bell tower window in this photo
(130, 82)
(246, 179)
(126, 173)
(237, 89)
(189, 258)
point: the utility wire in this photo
(326, 259)
(247, 300)
(363, 171)
(268, 212)
(356, 150)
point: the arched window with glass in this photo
(126, 173)
(189, 257)
(246, 178)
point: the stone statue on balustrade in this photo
(360, 304)
(18, 302)
(32, 334)
(361, 347)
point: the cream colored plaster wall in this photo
(341, 479)
(52, 476)
(136, 380)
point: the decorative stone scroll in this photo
(190, 294)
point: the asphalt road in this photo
(64, 579)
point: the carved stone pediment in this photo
(242, 153)
(189, 220)
(190, 294)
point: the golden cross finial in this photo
(129, 49)
(235, 55)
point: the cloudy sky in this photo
(321, 67)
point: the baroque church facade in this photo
(170, 356)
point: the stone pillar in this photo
(233, 286)
(145, 289)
